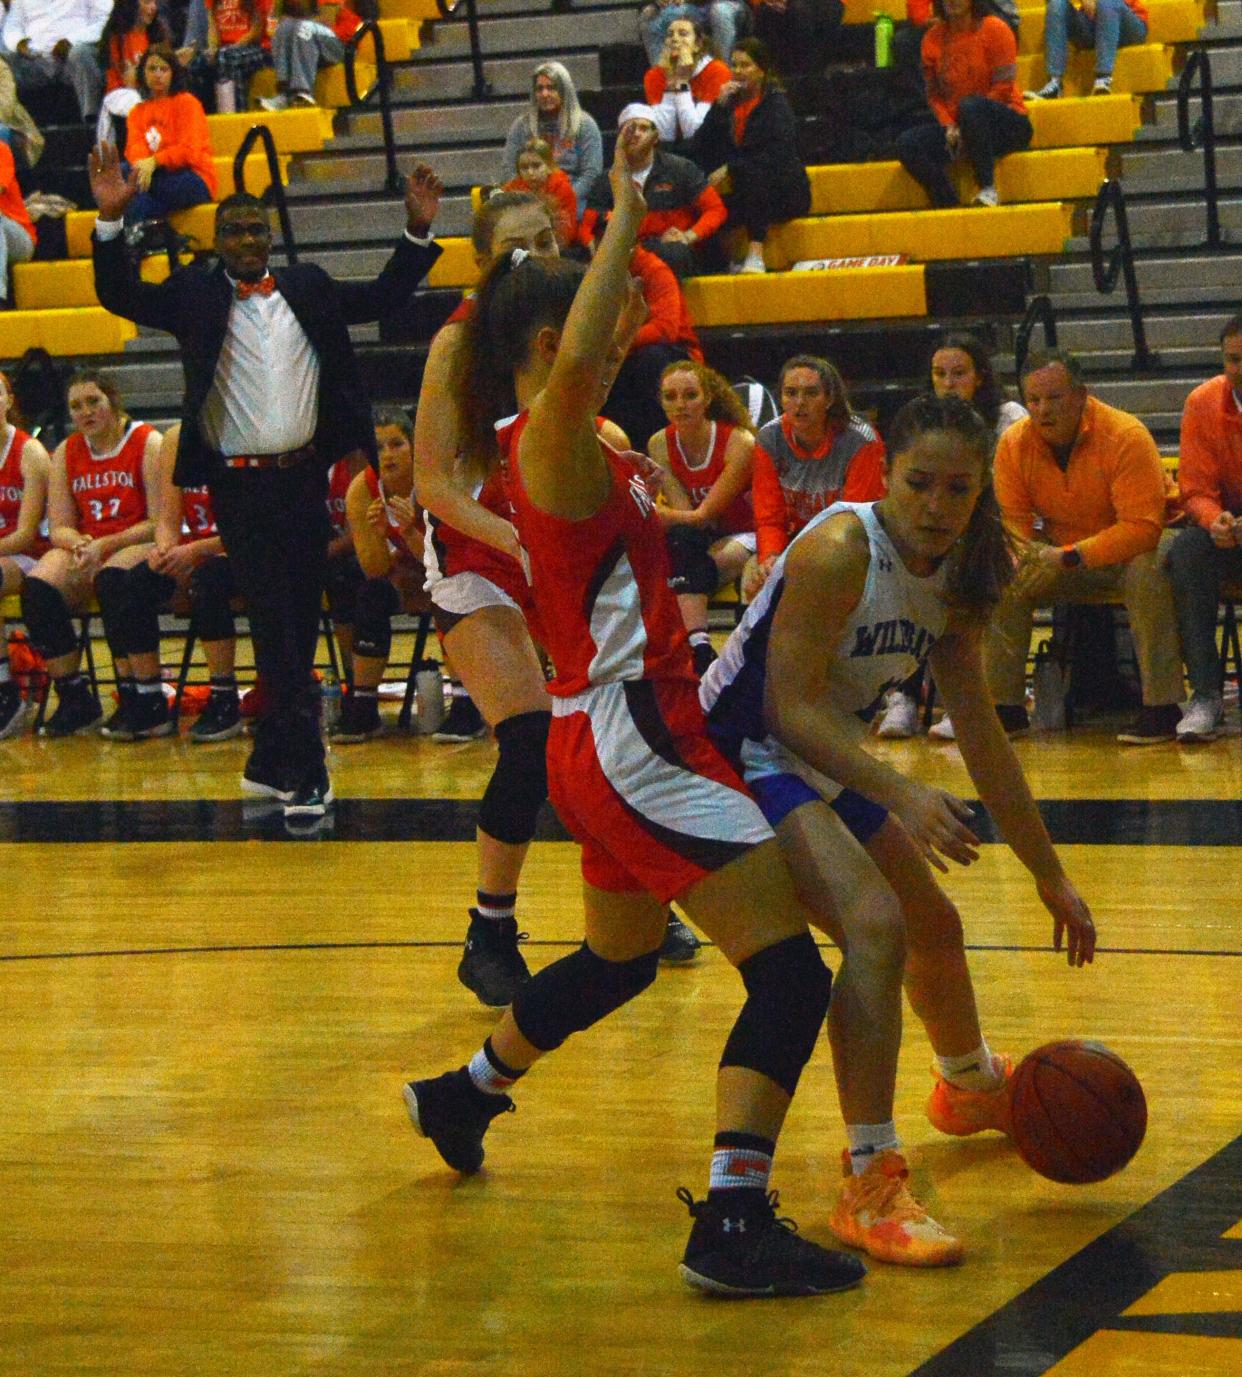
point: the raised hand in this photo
(423, 190)
(110, 187)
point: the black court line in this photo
(1105, 822)
(226, 949)
(1179, 1231)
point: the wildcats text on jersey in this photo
(893, 636)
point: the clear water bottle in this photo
(428, 697)
(331, 690)
(883, 40)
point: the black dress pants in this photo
(274, 523)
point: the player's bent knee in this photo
(519, 783)
(788, 988)
(46, 614)
(376, 605)
(577, 991)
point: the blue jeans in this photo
(1196, 569)
(169, 191)
(1115, 26)
(989, 131)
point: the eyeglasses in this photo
(249, 229)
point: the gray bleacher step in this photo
(1147, 395)
(550, 34)
(379, 220)
(150, 345)
(1172, 225)
(1202, 358)
(1183, 330)
(436, 124)
(1162, 126)
(1171, 169)
(1228, 24)
(511, 76)
(1226, 66)
(460, 167)
(1219, 274)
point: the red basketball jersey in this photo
(397, 547)
(339, 479)
(698, 482)
(198, 518)
(600, 585)
(12, 486)
(107, 489)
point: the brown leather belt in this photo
(289, 460)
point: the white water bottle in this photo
(331, 701)
(429, 697)
(226, 98)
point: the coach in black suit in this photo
(272, 400)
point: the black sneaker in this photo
(704, 656)
(1152, 726)
(359, 721)
(220, 720)
(740, 1248)
(149, 717)
(311, 800)
(14, 710)
(116, 726)
(77, 711)
(1014, 718)
(463, 723)
(680, 945)
(454, 1115)
(260, 782)
(491, 966)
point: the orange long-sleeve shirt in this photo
(979, 61)
(12, 206)
(668, 318)
(1108, 500)
(1209, 470)
(174, 130)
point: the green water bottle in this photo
(883, 40)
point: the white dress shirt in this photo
(46, 22)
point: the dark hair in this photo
(17, 417)
(124, 20)
(723, 404)
(512, 304)
(241, 200)
(393, 416)
(704, 39)
(1233, 326)
(179, 82)
(1046, 358)
(978, 9)
(980, 565)
(839, 409)
(761, 55)
(483, 226)
(989, 395)
(103, 381)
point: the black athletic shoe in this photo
(463, 723)
(148, 717)
(1014, 718)
(220, 720)
(704, 656)
(740, 1248)
(311, 800)
(455, 1116)
(77, 711)
(359, 721)
(116, 726)
(261, 782)
(1152, 726)
(491, 965)
(680, 945)
(14, 710)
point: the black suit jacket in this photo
(194, 304)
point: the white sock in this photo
(700, 637)
(866, 1140)
(754, 255)
(975, 1071)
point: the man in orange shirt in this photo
(1209, 550)
(1091, 476)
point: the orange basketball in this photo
(1079, 1113)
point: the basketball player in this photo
(864, 595)
(658, 813)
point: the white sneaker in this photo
(1050, 90)
(901, 717)
(274, 103)
(1103, 86)
(1201, 720)
(943, 730)
(986, 196)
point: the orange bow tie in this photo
(265, 286)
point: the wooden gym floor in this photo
(206, 1168)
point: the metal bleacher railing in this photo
(260, 133)
(1119, 263)
(1039, 312)
(448, 8)
(1201, 134)
(382, 90)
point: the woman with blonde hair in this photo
(556, 116)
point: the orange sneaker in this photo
(877, 1213)
(961, 1112)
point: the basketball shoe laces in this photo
(884, 1194)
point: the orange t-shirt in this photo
(124, 51)
(979, 61)
(174, 130)
(12, 205)
(234, 19)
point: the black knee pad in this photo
(694, 570)
(46, 614)
(578, 990)
(787, 993)
(374, 608)
(519, 783)
(148, 592)
(212, 591)
(112, 593)
(343, 580)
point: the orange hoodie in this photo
(1109, 499)
(174, 129)
(979, 61)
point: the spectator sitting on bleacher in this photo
(539, 175)
(556, 116)
(960, 367)
(750, 139)
(56, 42)
(102, 492)
(17, 128)
(238, 45)
(300, 46)
(168, 146)
(17, 231)
(684, 210)
(683, 84)
(724, 19)
(801, 35)
(388, 538)
(132, 27)
(1092, 476)
(970, 65)
(1104, 25)
(703, 461)
(1209, 550)
(818, 451)
(23, 502)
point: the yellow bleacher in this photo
(1168, 21)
